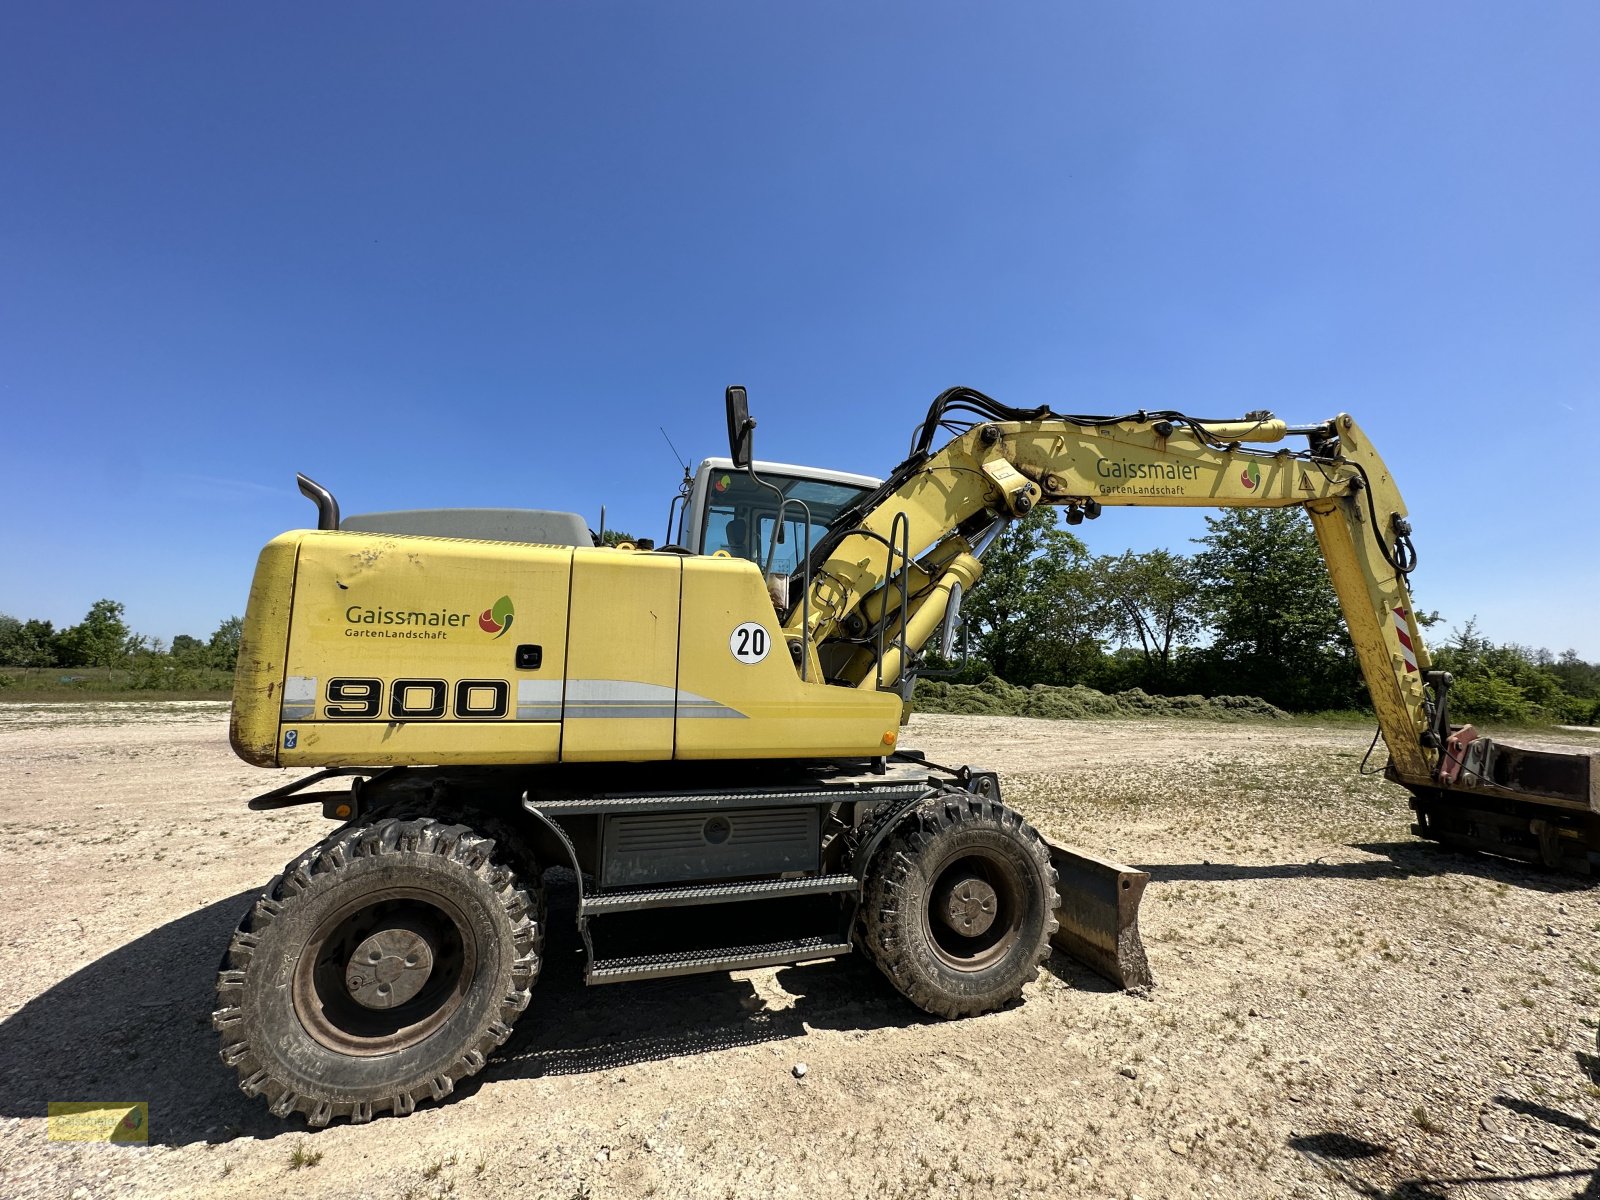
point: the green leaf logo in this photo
(1250, 476)
(496, 619)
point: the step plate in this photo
(731, 958)
(716, 893)
(702, 801)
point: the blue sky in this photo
(437, 255)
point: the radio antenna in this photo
(685, 489)
(674, 449)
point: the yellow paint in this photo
(624, 629)
(97, 1121)
(258, 678)
(318, 611)
(783, 716)
(1128, 463)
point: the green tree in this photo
(1279, 631)
(1033, 611)
(101, 639)
(26, 643)
(153, 668)
(1578, 678)
(1156, 601)
(223, 649)
(185, 646)
(1509, 682)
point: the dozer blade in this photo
(1098, 915)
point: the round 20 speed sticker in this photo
(750, 642)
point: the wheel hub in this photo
(388, 968)
(968, 906)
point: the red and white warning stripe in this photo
(1402, 630)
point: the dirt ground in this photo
(1340, 1009)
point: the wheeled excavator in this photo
(707, 736)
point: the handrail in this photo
(899, 541)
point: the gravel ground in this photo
(1340, 1009)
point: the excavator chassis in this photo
(805, 836)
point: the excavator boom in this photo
(889, 572)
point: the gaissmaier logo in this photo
(496, 619)
(1250, 476)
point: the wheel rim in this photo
(975, 909)
(385, 971)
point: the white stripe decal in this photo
(612, 699)
(299, 697)
(690, 705)
(613, 712)
(602, 691)
(538, 699)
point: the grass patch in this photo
(300, 1157)
(47, 685)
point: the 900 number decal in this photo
(417, 699)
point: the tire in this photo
(960, 905)
(314, 1027)
(508, 833)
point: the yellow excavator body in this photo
(380, 650)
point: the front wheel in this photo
(960, 905)
(381, 967)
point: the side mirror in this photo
(740, 427)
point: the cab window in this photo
(740, 516)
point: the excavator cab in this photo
(767, 513)
(731, 513)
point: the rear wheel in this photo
(960, 905)
(383, 965)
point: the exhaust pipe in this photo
(327, 506)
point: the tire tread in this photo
(887, 929)
(523, 905)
